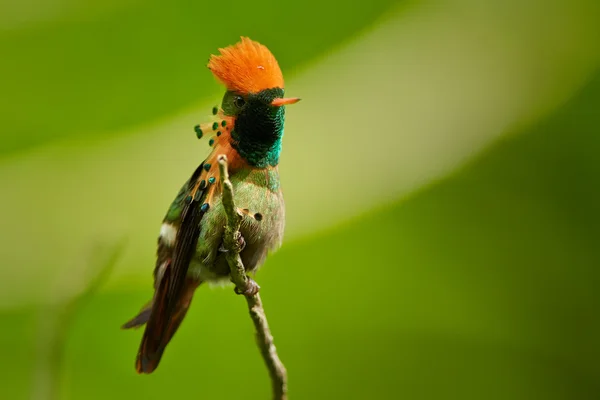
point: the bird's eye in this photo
(239, 101)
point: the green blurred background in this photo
(441, 182)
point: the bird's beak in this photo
(284, 101)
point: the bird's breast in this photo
(258, 196)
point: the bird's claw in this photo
(241, 244)
(251, 288)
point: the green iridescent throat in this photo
(258, 127)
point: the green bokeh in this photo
(481, 285)
(142, 62)
(466, 290)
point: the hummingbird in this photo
(248, 129)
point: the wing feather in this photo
(173, 295)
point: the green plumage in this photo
(258, 127)
(258, 192)
(190, 249)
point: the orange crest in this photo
(246, 67)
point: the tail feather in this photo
(140, 319)
(160, 328)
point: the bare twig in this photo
(246, 286)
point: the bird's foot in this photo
(251, 288)
(240, 244)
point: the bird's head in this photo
(254, 98)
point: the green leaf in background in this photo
(442, 261)
(414, 96)
(142, 61)
(480, 286)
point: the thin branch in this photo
(233, 243)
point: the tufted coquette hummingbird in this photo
(247, 129)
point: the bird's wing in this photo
(172, 289)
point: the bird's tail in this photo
(160, 329)
(140, 319)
